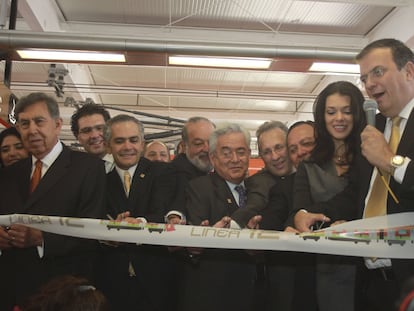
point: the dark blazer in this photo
(275, 215)
(219, 279)
(151, 192)
(73, 186)
(404, 192)
(185, 171)
(257, 186)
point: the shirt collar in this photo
(51, 156)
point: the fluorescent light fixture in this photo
(335, 67)
(68, 55)
(228, 62)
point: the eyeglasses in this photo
(228, 153)
(376, 72)
(89, 129)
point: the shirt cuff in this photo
(399, 172)
(40, 250)
(234, 225)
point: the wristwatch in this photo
(396, 161)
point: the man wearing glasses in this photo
(88, 125)
(221, 279)
(387, 72)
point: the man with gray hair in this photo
(271, 138)
(211, 200)
(195, 162)
(54, 180)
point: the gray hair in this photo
(34, 98)
(270, 125)
(224, 129)
(120, 119)
(184, 133)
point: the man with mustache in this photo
(138, 191)
(88, 125)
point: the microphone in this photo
(370, 107)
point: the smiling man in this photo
(88, 125)
(209, 199)
(271, 138)
(387, 72)
(141, 190)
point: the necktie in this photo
(37, 175)
(377, 202)
(127, 182)
(242, 195)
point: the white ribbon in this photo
(389, 236)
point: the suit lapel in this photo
(224, 194)
(406, 145)
(56, 171)
(117, 192)
(139, 187)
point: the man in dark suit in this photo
(271, 139)
(220, 279)
(387, 71)
(194, 162)
(53, 181)
(136, 277)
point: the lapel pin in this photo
(229, 201)
(142, 175)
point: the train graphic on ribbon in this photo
(152, 227)
(398, 235)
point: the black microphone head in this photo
(370, 107)
(370, 104)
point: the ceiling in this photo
(294, 33)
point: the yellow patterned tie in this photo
(127, 182)
(377, 202)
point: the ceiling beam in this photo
(44, 16)
(12, 40)
(386, 3)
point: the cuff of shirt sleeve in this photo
(40, 250)
(399, 172)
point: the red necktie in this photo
(37, 175)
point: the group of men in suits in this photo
(206, 185)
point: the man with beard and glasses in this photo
(88, 125)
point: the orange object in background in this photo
(255, 165)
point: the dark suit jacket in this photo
(185, 171)
(220, 279)
(257, 187)
(275, 215)
(404, 192)
(73, 186)
(151, 193)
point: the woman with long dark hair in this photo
(339, 120)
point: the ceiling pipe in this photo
(70, 41)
